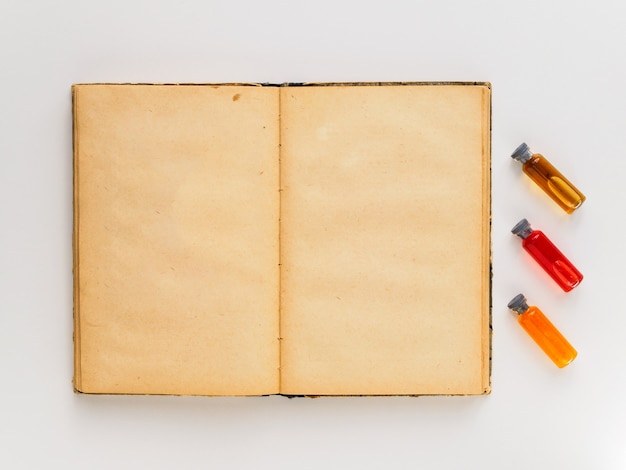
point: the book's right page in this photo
(385, 249)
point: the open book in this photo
(325, 239)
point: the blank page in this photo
(176, 239)
(385, 239)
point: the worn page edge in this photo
(75, 201)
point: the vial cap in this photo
(522, 153)
(522, 229)
(518, 304)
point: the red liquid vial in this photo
(548, 256)
(543, 332)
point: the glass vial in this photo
(548, 178)
(548, 256)
(543, 332)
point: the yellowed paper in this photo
(176, 239)
(385, 239)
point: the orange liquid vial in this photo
(543, 332)
(548, 178)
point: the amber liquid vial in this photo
(548, 178)
(543, 332)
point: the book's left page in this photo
(176, 213)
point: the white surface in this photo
(558, 83)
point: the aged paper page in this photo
(385, 239)
(176, 239)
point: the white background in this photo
(559, 83)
